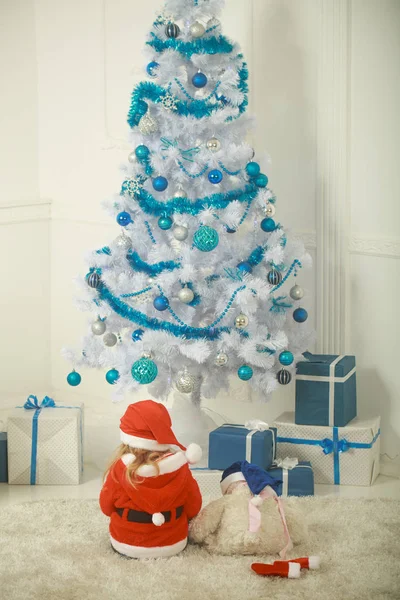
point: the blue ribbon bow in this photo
(32, 403)
(328, 446)
(186, 154)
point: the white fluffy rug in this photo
(60, 551)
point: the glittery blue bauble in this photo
(144, 371)
(93, 280)
(206, 239)
(160, 184)
(245, 372)
(300, 315)
(141, 107)
(215, 176)
(160, 303)
(112, 376)
(286, 358)
(124, 218)
(261, 180)
(199, 80)
(74, 378)
(245, 267)
(152, 68)
(137, 335)
(268, 225)
(142, 152)
(253, 169)
(165, 223)
(274, 277)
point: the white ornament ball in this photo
(296, 293)
(148, 125)
(124, 242)
(132, 157)
(180, 232)
(185, 382)
(110, 339)
(197, 30)
(269, 210)
(221, 359)
(241, 321)
(214, 145)
(186, 295)
(98, 327)
(181, 193)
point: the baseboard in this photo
(390, 468)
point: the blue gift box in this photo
(3, 458)
(231, 443)
(297, 481)
(326, 390)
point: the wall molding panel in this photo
(332, 210)
(386, 247)
(25, 211)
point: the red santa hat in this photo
(147, 425)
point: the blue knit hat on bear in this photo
(255, 477)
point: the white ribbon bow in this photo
(256, 425)
(287, 463)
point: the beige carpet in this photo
(60, 551)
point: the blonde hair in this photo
(142, 457)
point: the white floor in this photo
(384, 487)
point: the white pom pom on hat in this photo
(193, 454)
(158, 519)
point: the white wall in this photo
(89, 56)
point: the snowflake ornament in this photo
(169, 101)
(133, 186)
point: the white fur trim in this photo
(128, 459)
(193, 454)
(158, 519)
(141, 552)
(314, 562)
(169, 464)
(142, 443)
(256, 500)
(294, 570)
(233, 478)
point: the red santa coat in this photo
(172, 489)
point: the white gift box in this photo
(45, 445)
(209, 483)
(340, 455)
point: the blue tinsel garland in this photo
(212, 45)
(138, 264)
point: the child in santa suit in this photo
(149, 492)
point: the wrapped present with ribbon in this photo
(45, 443)
(326, 390)
(339, 455)
(255, 442)
(3, 455)
(297, 477)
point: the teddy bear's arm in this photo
(207, 521)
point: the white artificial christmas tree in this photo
(192, 290)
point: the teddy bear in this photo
(249, 518)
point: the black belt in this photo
(136, 516)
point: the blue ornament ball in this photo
(141, 107)
(172, 30)
(152, 68)
(165, 223)
(274, 277)
(112, 376)
(300, 315)
(286, 358)
(160, 303)
(144, 371)
(261, 180)
(142, 152)
(137, 335)
(245, 372)
(253, 169)
(199, 80)
(215, 176)
(229, 230)
(160, 183)
(93, 280)
(74, 378)
(284, 377)
(245, 267)
(124, 218)
(206, 239)
(268, 225)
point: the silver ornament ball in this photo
(269, 210)
(185, 382)
(149, 355)
(180, 232)
(181, 193)
(98, 327)
(296, 293)
(148, 125)
(132, 157)
(197, 30)
(221, 359)
(186, 295)
(110, 339)
(241, 321)
(214, 145)
(124, 242)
